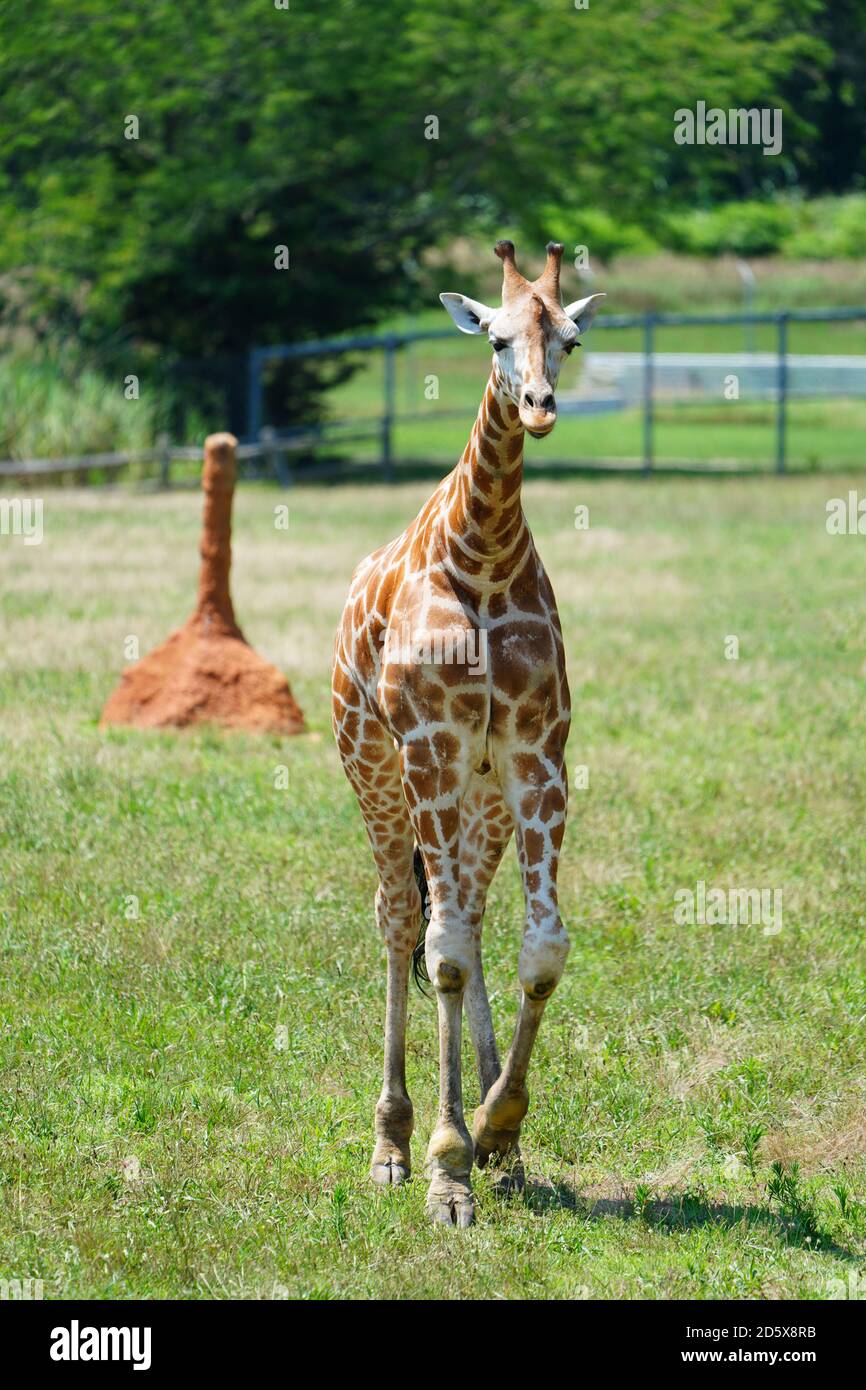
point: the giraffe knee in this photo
(449, 955)
(542, 959)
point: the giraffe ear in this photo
(468, 314)
(583, 311)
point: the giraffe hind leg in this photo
(372, 767)
(539, 811)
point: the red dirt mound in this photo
(206, 672)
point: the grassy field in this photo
(192, 992)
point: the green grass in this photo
(166, 912)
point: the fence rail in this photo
(273, 449)
(165, 456)
(390, 344)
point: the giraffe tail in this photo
(419, 964)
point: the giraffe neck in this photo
(482, 514)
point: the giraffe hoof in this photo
(500, 1155)
(389, 1173)
(450, 1202)
(500, 1145)
(499, 1141)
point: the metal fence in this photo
(774, 370)
(274, 453)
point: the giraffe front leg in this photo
(449, 1153)
(539, 811)
(392, 1162)
(436, 772)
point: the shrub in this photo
(828, 229)
(748, 228)
(53, 407)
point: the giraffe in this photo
(451, 712)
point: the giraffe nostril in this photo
(549, 402)
(529, 399)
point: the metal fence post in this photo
(648, 347)
(782, 399)
(268, 464)
(388, 404)
(254, 393)
(164, 460)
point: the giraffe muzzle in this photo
(538, 423)
(538, 412)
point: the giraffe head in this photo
(530, 334)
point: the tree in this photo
(254, 128)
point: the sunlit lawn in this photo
(192, 994)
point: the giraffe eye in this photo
(498, 344)
(568, 348)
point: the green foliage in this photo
(747, 228)
(829, 229)
(52, 406)
(785, 1188)
(305, 127)
(605, 235)
(801, 229)
(751, 1139)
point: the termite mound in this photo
(206, 672)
